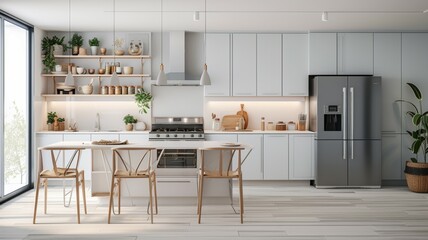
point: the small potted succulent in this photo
(94, 43)
(76, 42)
(51, 120)
(129, 120)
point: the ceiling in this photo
(223, 15)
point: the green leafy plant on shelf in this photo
(129, 119)
(76, 40)
(48, 51)
(51, 117)
(94, 42)
(143, 100)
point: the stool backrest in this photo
(70, 159)
(133, 160)
(221, 160)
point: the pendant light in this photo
(114, 78)
(162, 79)
(69, 79)
(205, 78)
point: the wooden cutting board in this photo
(244, 114)
(229, 122)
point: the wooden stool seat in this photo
(129, 168)
(223, 169)
(69, 172)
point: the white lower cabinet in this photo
(301, 157)
(134, 138)
(252, 169)
(275, 157)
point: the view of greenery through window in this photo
(15, 103)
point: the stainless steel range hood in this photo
(177, 51)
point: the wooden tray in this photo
(229, 121)
(109, 142)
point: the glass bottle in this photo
(262, 124)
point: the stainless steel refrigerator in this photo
(345, 114)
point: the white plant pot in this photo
(57, 49)
(94, 50)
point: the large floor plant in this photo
(416, 169)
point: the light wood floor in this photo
(272, 211)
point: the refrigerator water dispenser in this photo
(332, 118)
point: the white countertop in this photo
(259, 132)
(153, 144)
(93, 132)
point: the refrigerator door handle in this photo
(344, 123)
(352, 122)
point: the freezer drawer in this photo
(331, 164)
(364, 163)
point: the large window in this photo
(15, 72)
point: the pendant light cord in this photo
(205, 34)
(161, 32)
(114, 32)
(69, 34)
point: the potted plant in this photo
(51, 120)
(94, 43)
(143, 99)
(76, 42)
(61, 123)
(51, 47)
(129, 120)
(417, 171)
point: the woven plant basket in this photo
(417, 176)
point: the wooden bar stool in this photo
(223, 170)
(129, 167)
(70, 171)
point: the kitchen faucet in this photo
(97, 123)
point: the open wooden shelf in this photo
(96, 75)
(104, 56)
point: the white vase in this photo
(94, 50)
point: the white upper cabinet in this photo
(244, 65)
(387, 64)
(322, 53)
(415, 70)
(269, 64)
(218, 61)
(355, 53)
(295, 65)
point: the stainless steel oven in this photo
(178, 158)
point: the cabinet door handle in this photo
(352, 122)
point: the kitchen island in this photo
(172, 182)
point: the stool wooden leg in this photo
(151, 199)
(45, 186)
(36, 199)
(111, 199)
(83, 190)
(241, 199)
(119, 191)
(156, 193)
(77, 198)
(201, 191)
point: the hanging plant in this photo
(143, 100)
